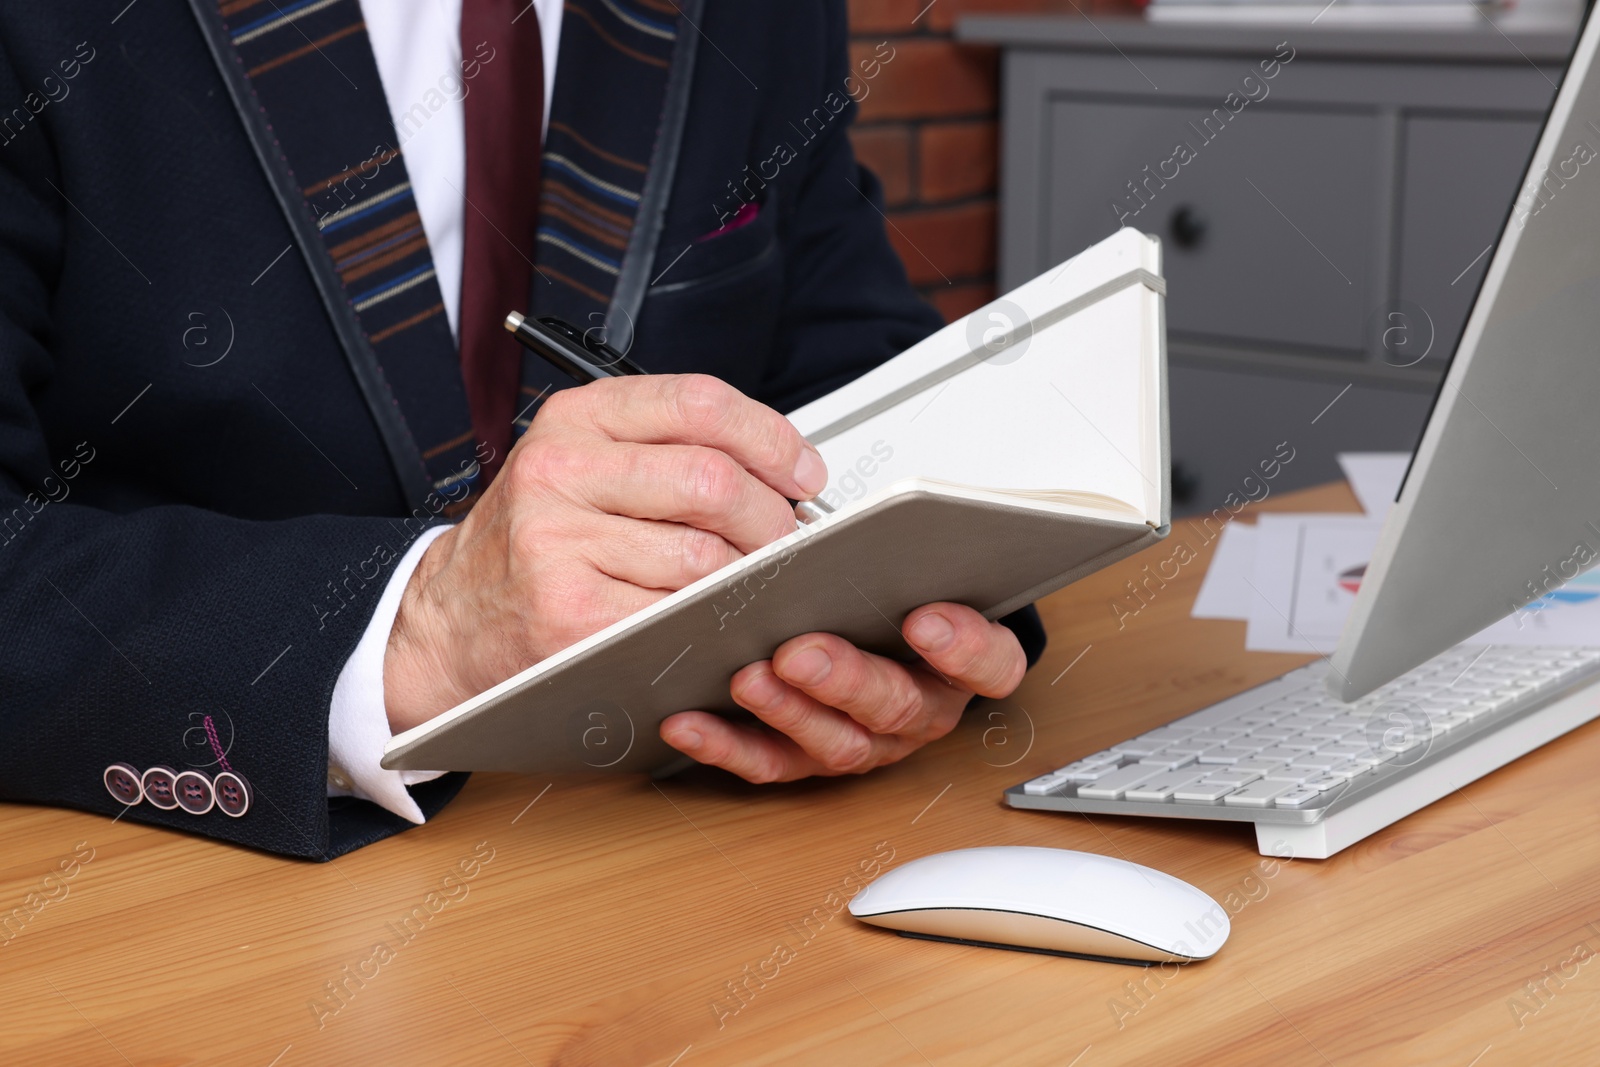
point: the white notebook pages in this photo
(1071, 418)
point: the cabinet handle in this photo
(1187, 227)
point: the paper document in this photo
(1225, 593)
(1375, 478)
(1308, 568)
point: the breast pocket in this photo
(714, 308)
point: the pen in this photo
(587, 360)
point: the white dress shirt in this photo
(417, 44)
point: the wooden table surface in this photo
(604, 919)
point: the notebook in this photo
(1011, 453)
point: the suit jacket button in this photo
(194, 792)
(123, 782)
(233, 793)
(157, 782)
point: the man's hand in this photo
(835, 709)
(620, 493)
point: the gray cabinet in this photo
(1324, 228)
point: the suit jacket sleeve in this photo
(848, 303)
(122, 631)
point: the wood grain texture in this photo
(605, 917)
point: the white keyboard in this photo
(1316, 774)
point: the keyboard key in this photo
(1277, 755)
(1299, 723)
(1233, 778)
(1272, 731)
(1138, 748)
(1302, 743)
(1169, 733)
(1193, 746)
(1400, 733)
(1111, 787)
(1257, 765)
(1346, 722)
(1167, 759)
(1318, 760)
(1202, 792)
(1258, 794)
(1162, 786)
(1087, 774)
(1226, 754)
(1323, 785)
(1477, 709)
(1044, 785)
(1289, 774)
(1298, 798)
(1201, 742)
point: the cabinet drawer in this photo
(1225, 422)
(1448, 222)
(1267, 219)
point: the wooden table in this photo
(606, 918)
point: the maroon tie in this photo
(504, 127)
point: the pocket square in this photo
(743, 217)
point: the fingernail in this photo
(932, 632)
(688, 740)
(810, 473)
(762, 693)
(808, 667)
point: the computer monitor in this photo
(1502, 501)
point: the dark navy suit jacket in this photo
(193, 447)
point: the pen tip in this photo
(514, 321)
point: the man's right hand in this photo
(620, 492)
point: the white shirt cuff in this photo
(358, 721)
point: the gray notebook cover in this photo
(858, 578)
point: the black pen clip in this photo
(606, 356)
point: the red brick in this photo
(930, 78)
(945, 244)
(956, 160)
(886, 151)
(954, 301)
(885, 16)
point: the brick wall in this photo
(928, 129)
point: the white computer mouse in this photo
(1046, 900)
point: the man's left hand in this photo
(834, 709)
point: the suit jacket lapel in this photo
(616, 121)
(305, 82)
(297, 74)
